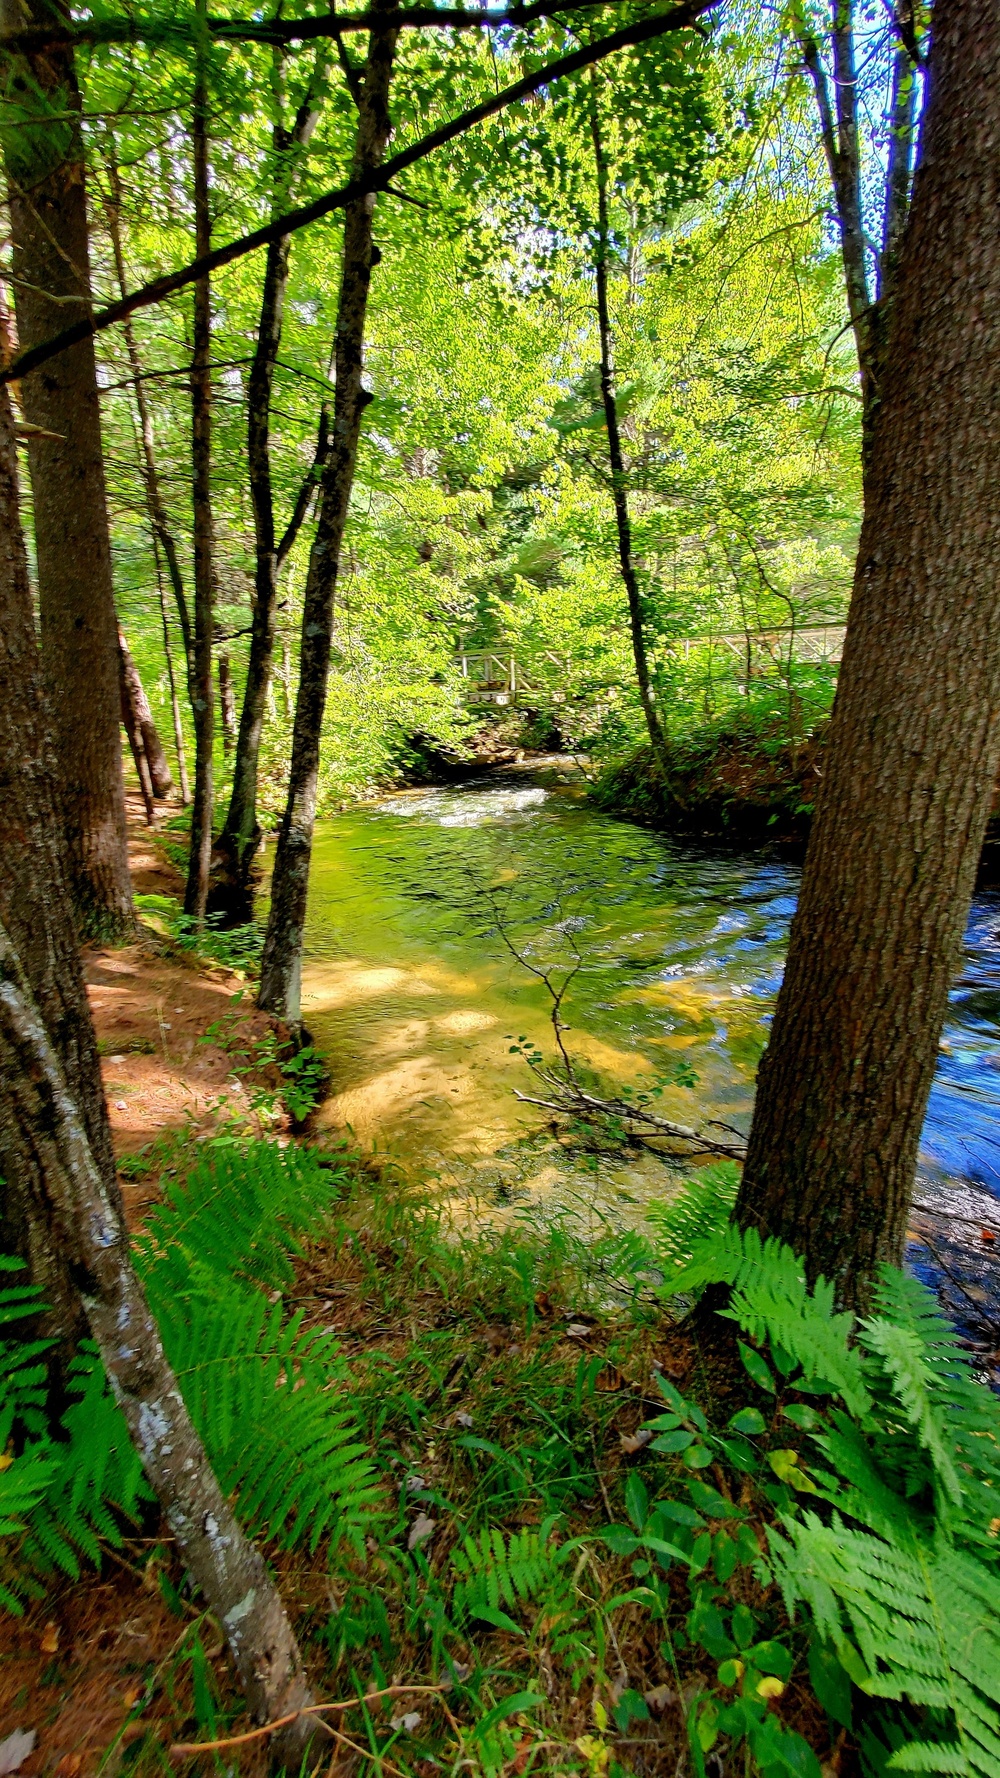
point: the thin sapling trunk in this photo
(619, 479)
(281, 964)
(202, 699)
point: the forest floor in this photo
(154, 1008)
(502, 1382)
(499, 1381)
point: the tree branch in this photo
(31, 39)
(677, 18)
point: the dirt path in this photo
(152, 1006)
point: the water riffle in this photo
(411, 988)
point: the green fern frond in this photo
(270, 1403)
(923, 1615)
(699, 1212)
(494, 1571)
(240, 1212)
(97, 1477)
(771, 1300)
(922, 1370)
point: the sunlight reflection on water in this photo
(678, 954)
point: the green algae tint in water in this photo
(412, 993)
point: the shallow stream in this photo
(413, 993)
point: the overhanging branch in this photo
(677, 18)
(31, 39)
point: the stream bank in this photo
(737, 783)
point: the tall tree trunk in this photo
(915, 738)
(48, 209)
(161, 783)
(31, 877)
(281, 964)
(162, 533)
(840, 135)
(62, 1206)
(239, 840)
(202, 701)
(619, 480)
(175, 707)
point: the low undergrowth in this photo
(740, 777)
(498, 1491)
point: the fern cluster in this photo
(700, 1209)
(497, 1576)
(892, 1548)
(269, 1400)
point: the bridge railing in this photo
(813, 642)
(501, 676)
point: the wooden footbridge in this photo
(541, 677)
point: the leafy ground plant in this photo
(506, 1514)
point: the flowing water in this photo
(411, 989)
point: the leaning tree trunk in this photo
(62, 1208)
(619, 480)
(915, 738)
(130, 723)
(281, 964)
(202, 700)
(141, 718)
(48, 212)
(168, 655)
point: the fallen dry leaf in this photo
(69, 1765)
(660, 1697)
(577, 1330)
(408, 1722)
(15, 1750)
(635, 1441)
(421, 1529)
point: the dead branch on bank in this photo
(638, 1125)
(634, 1122)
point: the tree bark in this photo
(51, 263)
(281, 964)
(34, 875)
(202, 701)
(619, 479)
(227, 702)
(914, 743)
(237, 845)
(175, 708)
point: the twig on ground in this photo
(184, 1749)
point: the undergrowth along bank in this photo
(487, 1462)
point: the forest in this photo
(499, 891)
